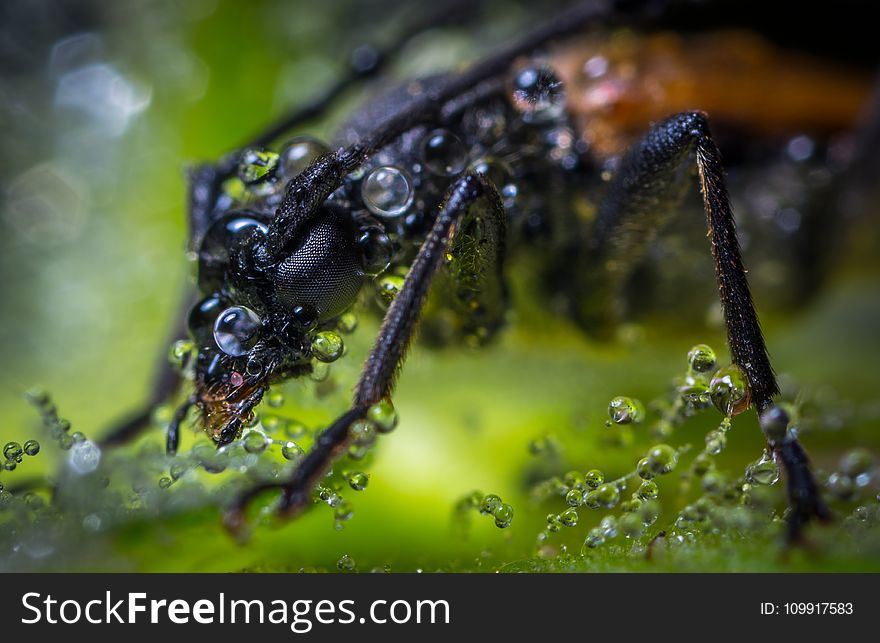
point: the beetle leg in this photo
(647, 185)
(383, 364)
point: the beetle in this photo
(286, 241)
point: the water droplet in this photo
(569, 517)
(299, 153)
(662, 459)
(841, 486)
(255, 441)
(763, 471)
(730, 390)
(649, 512)
(644, 469)
(503, 516)
(607, 495)
(593, 478)
(92, 522)
(179, 353)
(389, 286)
(292, 451)
(490, 503)
(702, 464)
(574, 498)
(165, 482)
(701, 358)
(84, 457)
(256, 165)
(237, 330)
(630, 525)
(595, 538)
(608, 525)
(327, 346)
(363, 433)
(716, 441)
(648, 490)
(31, 447)
(177, 470)
(538, 93)
(377, 250)
(854, 463)
(625, 410)
(383, 415)
(387, 191)
(275, 399)
(346, 563)
(712, 482)
(358, 480)
(12, 451)
(347, 323)
(444, 153)
(696, 395)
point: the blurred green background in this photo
(103, 105)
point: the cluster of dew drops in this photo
(97, 489)
(741, 504)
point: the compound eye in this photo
(237, 330)
(324, 274)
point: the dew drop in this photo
(569, 517)
(299, 153)
(490, 503)
(648, 490)
(625, 410)
(13, 451)
(730, 390)
(346, 563)
(593, 478)
(383, 415)
(347, 323)
(255, 441)
(358, 480)
(327, 346)
(716, 441)
(256, 165)
(389, 286)
(701, 358)
(444, 153)
(841, 486)
(503, 516)
(630, 525)
(854, 463)
(377, 250)
(292, 451)
(179, 353)
(237, 330)
(387, 191)
(84, 457)
(31, 447)
(275, 399)
(763, 471)
(607, 495)
(661, 459)
(595, 538)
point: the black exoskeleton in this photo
(417, 181)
